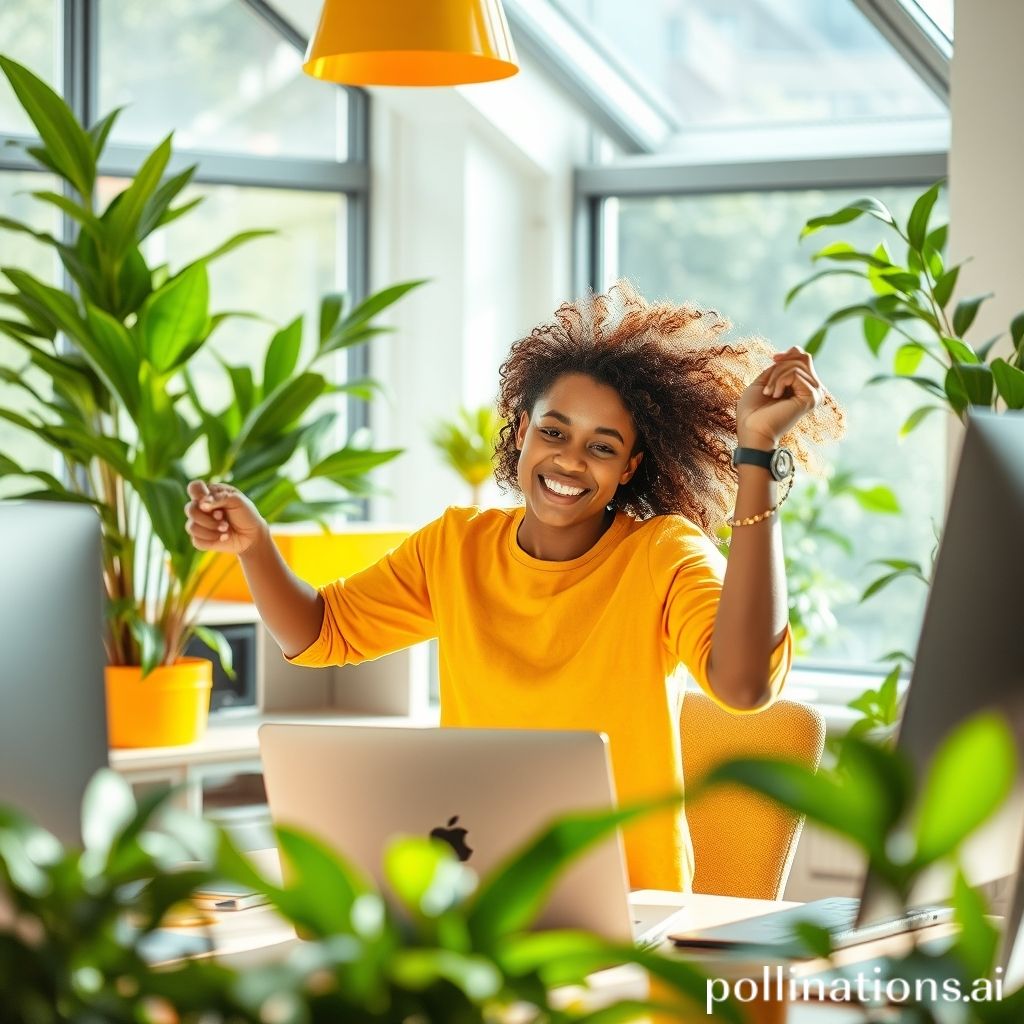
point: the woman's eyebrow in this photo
(562, 418)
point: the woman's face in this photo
(575, 451)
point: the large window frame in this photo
(658, 176)
(78, 29)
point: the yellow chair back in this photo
(743, 844)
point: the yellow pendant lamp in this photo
(411, 42)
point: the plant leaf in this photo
(944, 286)
(510, 898)
(1009, 382)
(914, 420)
(848, 213)
(968, 385)
(282, 356)
(955, 797)
(174, 316)
(426, 876)
(875, 332)
(908, 358)
(215, 640)
(977, 939)
(965, 312)
(959, 351)
(879, 499)
(67, 146)
(917, 225)
(124, 213)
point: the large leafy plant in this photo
(121, 406)
(906, 826)
(437, 947)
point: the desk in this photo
(249, 938)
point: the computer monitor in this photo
(53, 734)
(969, 655)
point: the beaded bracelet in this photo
(750, 520)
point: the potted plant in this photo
(466, 444)
(123, 413)
(438, 946)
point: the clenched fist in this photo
(222, 518)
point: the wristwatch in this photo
(779, 461)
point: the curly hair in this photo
(679, 383)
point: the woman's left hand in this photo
(771, 405)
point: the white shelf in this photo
(229, 740)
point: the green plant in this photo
(906, 826)
(437, 948)
(466, 444)
(912, 299)
(122, 409)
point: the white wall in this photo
(471, 187)
(986, 160)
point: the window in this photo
(738, 253)
(733, 64)
(218, 76)
(28, 34)
(272, 147)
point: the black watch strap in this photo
(752, 457)
(779, 461)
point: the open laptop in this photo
(968, 659)
(485, 791)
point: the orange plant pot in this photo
(168, 708)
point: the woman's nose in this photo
(570, 460)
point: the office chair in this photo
(743, 844)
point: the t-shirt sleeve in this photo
(688, 569)
(381, 609)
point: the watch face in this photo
(782, 464)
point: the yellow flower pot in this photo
(168, 708)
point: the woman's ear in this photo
(631, 467)
(524, 422)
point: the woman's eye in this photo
(603, 449)
(550, 432)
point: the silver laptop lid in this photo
(487, 790)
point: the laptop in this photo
(484, 791)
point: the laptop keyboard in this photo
(837, 915)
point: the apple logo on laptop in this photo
(454, 837)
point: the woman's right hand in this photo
(221, 518)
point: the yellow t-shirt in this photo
(583, 644)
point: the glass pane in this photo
(940, 12)
(218, 76)
(26, 253)
(733, 63)
(28, 34)
(739, 253)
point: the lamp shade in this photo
(411, 42)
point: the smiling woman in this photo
(574, 610)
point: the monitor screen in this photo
(53, 734)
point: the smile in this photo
(563, 490)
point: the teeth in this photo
(558, 488)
